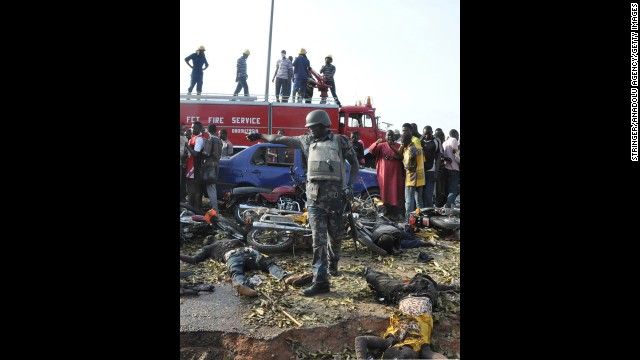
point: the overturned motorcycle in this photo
(436, 218)
(290, 198)
(196, 222)
(274, 230)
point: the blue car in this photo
(268, 165)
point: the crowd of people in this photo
(416, 171)
(194, 160)
(292, 77)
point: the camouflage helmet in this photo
(318, 117)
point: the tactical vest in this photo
(325, 160)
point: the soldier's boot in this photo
(316, 288)
(333, 269)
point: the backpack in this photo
(212, 148)
(211, 151)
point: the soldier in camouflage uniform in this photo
(326, 190)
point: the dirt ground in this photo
(221, 324)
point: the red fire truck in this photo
(241, 115)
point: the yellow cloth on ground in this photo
(414, 325)
(410, 330)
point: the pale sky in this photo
(404, 54)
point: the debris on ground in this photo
(348, 291)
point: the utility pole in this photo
(266, 87)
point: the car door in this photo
(267, 167)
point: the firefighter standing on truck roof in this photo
(198, 59)
(326, 190)
(301, 74)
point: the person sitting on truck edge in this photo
(227, 146)
(329, 70)
(237, 257)
(408, 335)
(281, 77)
(300, 65)
(241, 74)
(198, 59)
(326, 194)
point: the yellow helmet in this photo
(201, 48)
(247, 52)
(302, 51)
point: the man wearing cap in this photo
(241, 74)
(198, 59)
(281, 77)
(301, 74)
(327, 190)
(328, 70)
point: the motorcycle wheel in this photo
(369, 205)
(237, 214)
(365, 239)
(236, 211)
(442, 222)
(231, 227)
(271, 241)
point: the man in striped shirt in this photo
(281, 77)
(328, 70)
(241, 74)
